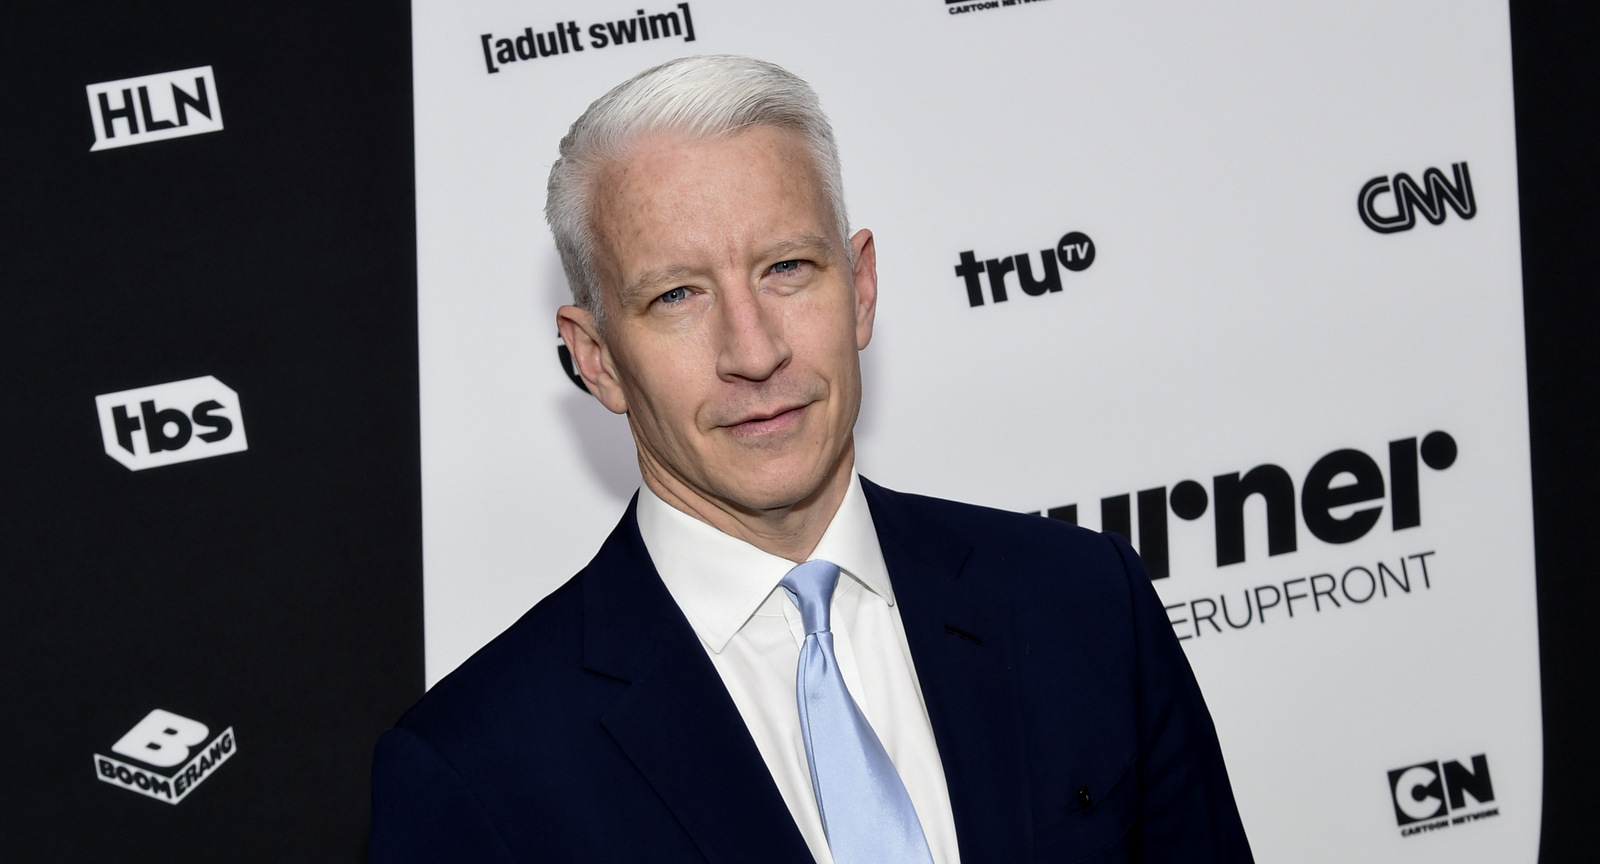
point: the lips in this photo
(767, 422)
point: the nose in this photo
(752, 345)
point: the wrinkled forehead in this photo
(668, 192)
(615, 163)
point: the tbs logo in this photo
(168, 756)
(1423, 792)
(179, 422)
(154, 108)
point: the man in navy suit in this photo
(1018, 674)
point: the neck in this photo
(790, 531)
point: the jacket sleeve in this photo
(422, 811)
(1187, 808)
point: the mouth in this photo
(767, 422)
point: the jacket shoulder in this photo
(1025, 540)
(535, 659)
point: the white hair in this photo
(699, 98)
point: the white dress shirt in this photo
(729, 591)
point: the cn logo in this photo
(1426, 791)
(165, 756)
(168, 423)
(154, 108)
(1430, 197)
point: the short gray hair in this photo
(704, 97)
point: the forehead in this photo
(674, 202)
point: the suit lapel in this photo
(960, 633)
(676, 721)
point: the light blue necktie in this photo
(866, 812)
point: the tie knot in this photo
(810, 586)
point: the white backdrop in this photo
(1237, 313)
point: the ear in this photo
(866, 280)
(591, 356)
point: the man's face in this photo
(733, 318)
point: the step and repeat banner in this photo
(1239, 282)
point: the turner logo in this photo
(154, 108)
(1328, 501)
(167, 756)
(1074, 251)
(1409, 197)
(1429, 793)
(168, 423)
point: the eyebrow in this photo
(648, 281)
(813, 243)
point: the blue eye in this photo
(676, 295)
(786, 266)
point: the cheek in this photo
(666, 395)
(830, 342)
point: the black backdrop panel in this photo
(1557, 76)
(274, 591)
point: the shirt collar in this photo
(719, 581)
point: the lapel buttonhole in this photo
(962, 634)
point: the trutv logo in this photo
(154, 108)
(168, 423)
(1074, 251)
(1430, 792)
(161, 744)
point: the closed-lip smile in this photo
(766, 422)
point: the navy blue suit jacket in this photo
(596, 728)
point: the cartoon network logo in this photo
(1430, 197)
(1425, 795)
(956, 7)
(154, 108)
(167, 756)
(148, 427)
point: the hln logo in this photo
(179, 422)
(1409, 197)
(1427, 791)
(154, 108)
(160, 744)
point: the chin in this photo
(775, 489)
